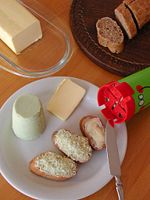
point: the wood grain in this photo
(134, 57)
(136, 166)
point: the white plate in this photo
(15, 154)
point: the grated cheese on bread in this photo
(53, 166)
(74, 146)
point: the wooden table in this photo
(136, 165)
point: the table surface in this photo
(136, 165)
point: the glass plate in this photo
(44, 57)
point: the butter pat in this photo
(28, 120)
(18, 27)
(65, 99)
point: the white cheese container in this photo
(28, 121)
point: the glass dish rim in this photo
(18, 70)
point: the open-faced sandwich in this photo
(53, 166)
(74, 146)
(92, 127)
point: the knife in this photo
(113, 158)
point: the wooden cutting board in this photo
(83, 17)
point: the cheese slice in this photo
(65, 99)
(18, 27)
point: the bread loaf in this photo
(110, 35)
(53, 166)
(92, 127)
(140, 10)
(125, 18)
(74, 146)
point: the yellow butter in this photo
(18, 27)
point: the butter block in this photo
(18, 27)
(65, 99)
(28, 121)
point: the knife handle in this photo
(119, 188)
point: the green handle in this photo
(140, 83)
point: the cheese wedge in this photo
(18, 27)
(65, 99)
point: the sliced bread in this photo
(92, 127)
(110, 35)
(140, 10)
(53, 166)
(125, 18)
(74, 146)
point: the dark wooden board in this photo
(83, 17)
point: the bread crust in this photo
(125, 18)
(140, 10)
(114, 47)
(68, 153)
(86, 134)
(35, 170)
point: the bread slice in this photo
(53, 166)
(140, 10)
(92, 127)
(110, 35)
(125, 18)
(74, 146)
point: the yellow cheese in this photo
(66, 98)
(18, 27)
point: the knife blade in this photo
(113, 158)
